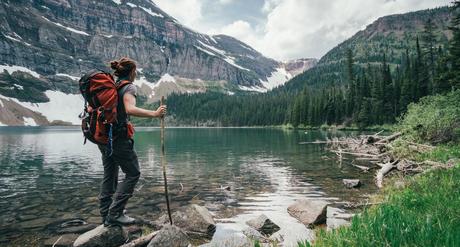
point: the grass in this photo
(425, 213)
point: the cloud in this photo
(295, 28)
(299, 28)
(187, 12)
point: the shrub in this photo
(435, 119)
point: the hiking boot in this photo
(121, 219)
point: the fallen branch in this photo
(363, 168)
(386, 168)
(144, 240)
(389, 138)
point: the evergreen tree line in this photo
(375, 93)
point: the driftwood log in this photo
(386, 168)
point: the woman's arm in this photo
(131, 109)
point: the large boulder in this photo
(102, 236)
(170, 236)
(195, 220)
(263, 225)
(309, 212)
(351, 183)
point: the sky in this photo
(288, 29)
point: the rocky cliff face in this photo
(297, 66)
(46, 45)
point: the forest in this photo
(373, 93)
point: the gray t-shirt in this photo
(121, 115)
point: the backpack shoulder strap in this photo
(123, 83)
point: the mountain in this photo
(46, 45)
(385, 80)
(390, 35)
(298, 66)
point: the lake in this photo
(47, 174)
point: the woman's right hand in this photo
(161, 111)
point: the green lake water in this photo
(47, 175)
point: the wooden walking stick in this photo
(163, 160)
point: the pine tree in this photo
(454, 48)
(429, 40)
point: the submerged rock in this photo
(263, 225)
(309, 212)
(102, 236)
(351, 183)
(195, 220)
(170, 236)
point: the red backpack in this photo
(100, 111)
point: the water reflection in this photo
(47, 174)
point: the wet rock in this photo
(65, 240)
(102, 236)
(253, 234)
(351, 183)
(309, 212)
(337, 217)
(234, 240)
(170, 236)
(264, 225)
(195, 220)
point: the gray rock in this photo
(195, 220)
(338, 213)
(334, 223)
(337, 217)
(102, 236)
(65, 240)
(264, 225)
(309, 212)
(351, 183)
(234, 240)
(254, 234)
(170, 236)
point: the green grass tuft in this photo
(425, 213)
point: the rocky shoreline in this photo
(195, 226)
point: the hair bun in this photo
(115, 65)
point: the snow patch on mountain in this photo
(253, 89)
(276, 79)
(28, 121)
(68, 28)
(64, 107)
(143, 81)
(13, 68)
(214, 51)
(117, 1)
(150, 12)
(17, 39)
(167, 78)
(75, 78)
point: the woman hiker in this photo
(114, 195)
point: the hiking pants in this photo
(113, 195)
